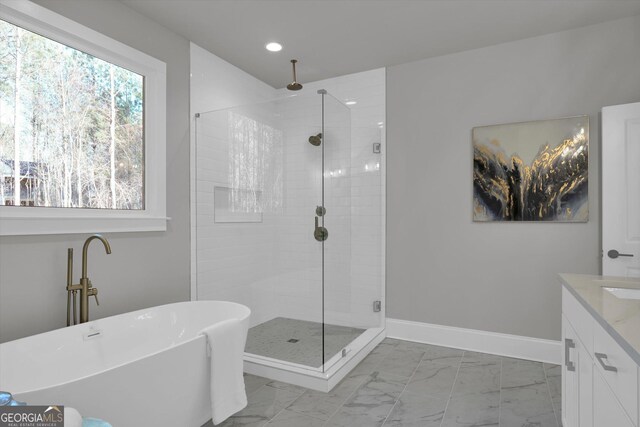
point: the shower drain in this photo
(293, 340)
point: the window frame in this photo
(17, 220)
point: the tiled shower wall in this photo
(274, 266)
(298, 289)
(234, 258)
(367, 184)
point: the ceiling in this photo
(337, 37)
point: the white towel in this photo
(226, 341)
(72, 417)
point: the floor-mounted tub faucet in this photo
(85, 287)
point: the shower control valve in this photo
(320, 233)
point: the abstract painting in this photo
(532, 171)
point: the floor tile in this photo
(401, 362)
(405, 384)
(412, 345)
(293, 419)
(472, 358)
(554, 380)
(386, 345)
(253, 382)
(392, 341)
(370, 362)
(417, 410)
(553, 373)
(242, 421)
(287, 386)
(433, 379)
(323, 405)
(479, 409)
(527, 406)
(518, 372)
(263, 405)
(370, 403)
(477, 379)
(444, 355)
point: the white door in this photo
(621, 190)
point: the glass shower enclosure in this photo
(274, 226)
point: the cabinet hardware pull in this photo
(601, 358)
(569, 344)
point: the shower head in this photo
(315, 139)
(294, 85)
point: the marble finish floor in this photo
(272, 339)
(404, 384)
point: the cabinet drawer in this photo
(579, 318)
(624, 379)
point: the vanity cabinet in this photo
(607, 410)
(576, 379)
(599, 378)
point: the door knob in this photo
(613, 254)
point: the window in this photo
(82, 139)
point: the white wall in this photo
(443, 268)
(145, 269)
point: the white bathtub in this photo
(144, 368)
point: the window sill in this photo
(73, 225)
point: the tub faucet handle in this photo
(94, 293)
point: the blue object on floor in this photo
(94, 422)
(6, 399)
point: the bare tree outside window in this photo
(71, 127)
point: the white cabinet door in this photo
(584, 369)
(607, 411)
(621, 190)
(570, 387)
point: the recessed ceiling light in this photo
(351, 102)
(274, 47)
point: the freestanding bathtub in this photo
(145, 368)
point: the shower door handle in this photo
(320, 233)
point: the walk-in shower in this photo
(275, 220)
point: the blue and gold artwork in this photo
(532, 171)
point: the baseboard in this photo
(520, 347)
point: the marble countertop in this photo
(619, 317)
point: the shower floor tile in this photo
(298, 341)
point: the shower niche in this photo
(275, 223)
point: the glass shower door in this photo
(273, 219)
(338, 330)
